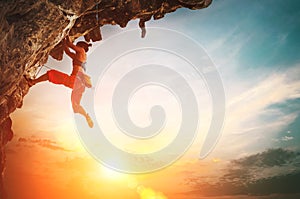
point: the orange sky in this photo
(46, 159)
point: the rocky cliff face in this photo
(32, 30)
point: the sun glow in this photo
(111, 174)
(148, 193)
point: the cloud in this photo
(283, 186)
(46, 143)
(269, 158)
(253, 104)
(287, 138)
(274, 171)
(255, 111)
(288, 183)
(267, 164)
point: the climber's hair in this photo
(84, 45)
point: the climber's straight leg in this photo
(57, 77)
(42, 78)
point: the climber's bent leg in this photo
(77, 108)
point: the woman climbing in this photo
(77, 81)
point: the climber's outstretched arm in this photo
(68, 52)
(71, 45)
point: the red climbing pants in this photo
(57, 77)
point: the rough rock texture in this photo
(32, 30)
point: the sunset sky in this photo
(255, 46)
